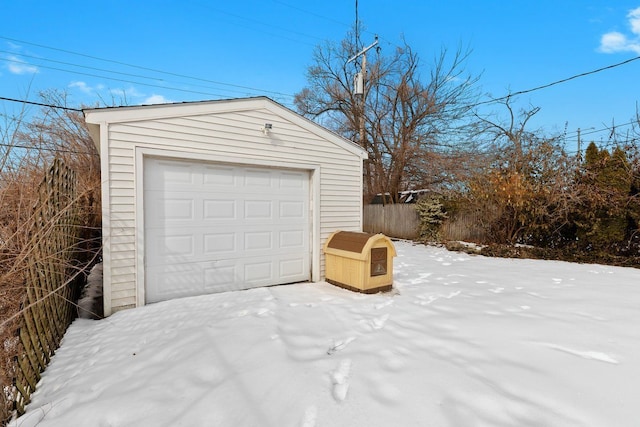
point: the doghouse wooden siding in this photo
(360, 262)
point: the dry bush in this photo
(27, 149)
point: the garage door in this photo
(213, 227)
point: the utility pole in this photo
(579, 155)
(579, 149)
(359, 83)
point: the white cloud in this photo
(634, 20)
(615, 41)
(118, 96)
(156, 99)
(17, 66)
(82, 86)
(132, 92)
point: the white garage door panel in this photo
(213, 228)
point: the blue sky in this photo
(159, 51)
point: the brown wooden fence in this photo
(402, 221)
(48, 309)
(397, 220)
(465, 227)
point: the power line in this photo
(55, 150)
(255, 21)
(607, 129)
(317, 15)
(40, 104)
(522, 92)
(115, 72)
(326, 18)
(144, 68)
(68, 63)
(126, 81)
(204, 93)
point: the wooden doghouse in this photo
(360, 262)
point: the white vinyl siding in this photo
(233, 136)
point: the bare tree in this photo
(524, 192)
(410, 126)
(510, 135)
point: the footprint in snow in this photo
(382, 390)
(378, 322)
(392, 361)
(263, 312)
(429, 299)
(383, 304)
(340, 380)
(452, 294)
(310, 417)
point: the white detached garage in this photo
(214, 196)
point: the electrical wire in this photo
(116, 72)
(308, 12)
(592, 131)
(40, 104)
(126, 81)
(55, 150)
(522, 92)
(155, 70)
(15, 54)
(255, 21)
(204, 93)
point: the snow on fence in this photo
(48, 309)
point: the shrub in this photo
(431, 213)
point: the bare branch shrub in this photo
(28, 144)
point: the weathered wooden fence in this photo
(402, 221)
(465, 227)
(48, 309)
(397, 220)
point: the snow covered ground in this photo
(461, 341)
